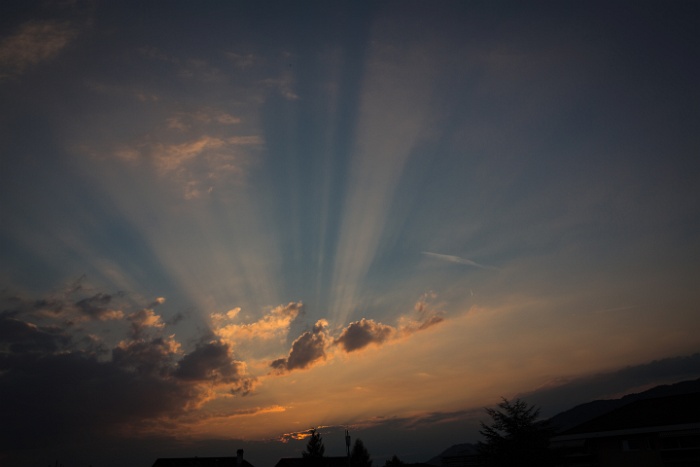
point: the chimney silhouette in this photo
(239, 458)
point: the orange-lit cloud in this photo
(426, 315)
(145, 318)
(193, 150)
(299, 435)
(168, 158)
(274, 324)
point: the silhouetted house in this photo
(313, 462)
(663, 431)
(237, 461)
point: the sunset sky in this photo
(223, 223)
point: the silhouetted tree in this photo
(394, 462)
(515, 437)
(359, 457)
(314, 447)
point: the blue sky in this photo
(379, 216)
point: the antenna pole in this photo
(347, 445)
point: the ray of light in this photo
(394, 114)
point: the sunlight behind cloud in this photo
(394, 115)
(194, 191)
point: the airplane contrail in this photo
(458, 260)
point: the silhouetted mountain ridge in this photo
(590, 410)
(585, 412)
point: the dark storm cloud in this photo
(60, 382)
(49, 306)
(212, 361)
(307, 349)
(49, 397)
(361, 333)
(204, 362)
(151, 357)
(17, 336)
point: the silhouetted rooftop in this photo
(313, 462)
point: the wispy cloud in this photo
(185, 121)
(242, 60)
(194, 150)
(98, 306)
(33, 43)
(458, 260)
(284, 85)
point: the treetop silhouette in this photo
(360, 457)
(314, 447)
(515, 437)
